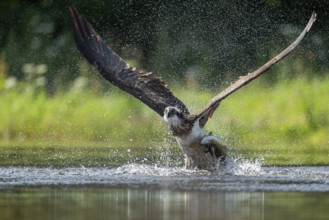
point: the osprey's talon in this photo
(214, 146)
(208, 149)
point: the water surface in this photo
(240, 190)
(242, 176)
(103, 202)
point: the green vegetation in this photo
(286, 124)
(54, 111)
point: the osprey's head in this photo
(178, 122)
(173, 116)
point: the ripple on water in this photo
(237, 175)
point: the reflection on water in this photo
(91, 202)
(137, 191)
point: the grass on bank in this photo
(286, 124)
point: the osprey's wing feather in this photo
(150, 90)
(206, 112)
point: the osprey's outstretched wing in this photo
(212, 105)
(150, 90)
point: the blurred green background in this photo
(53, 103)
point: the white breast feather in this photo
(195, 135)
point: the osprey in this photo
(202, 151)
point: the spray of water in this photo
(237, 165)
(167, 166)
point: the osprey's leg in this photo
(214, 146)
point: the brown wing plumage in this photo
(150, 90)
(206, 112)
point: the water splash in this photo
(236, 174)
(155, 170)
(237, 165)
(245, 176)
(167, 162)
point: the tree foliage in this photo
(194, 40)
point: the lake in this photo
(241, 190)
